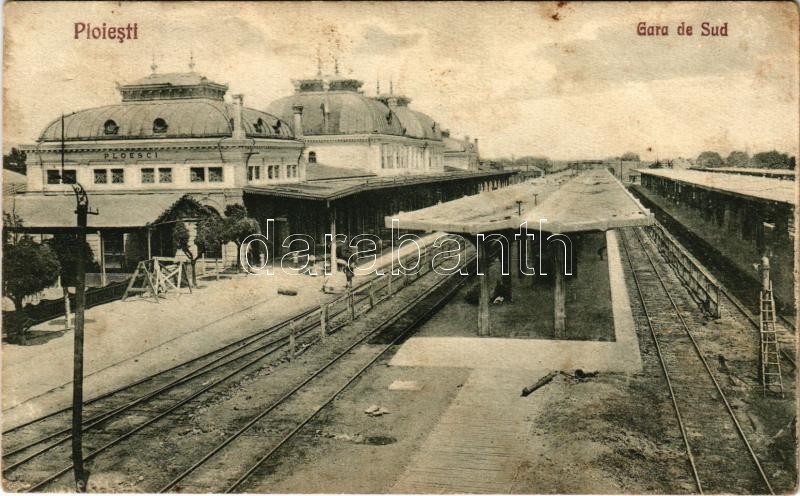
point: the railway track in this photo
(720, 457)
(184, 383)
(289, 409)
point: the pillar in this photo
(560, 296)
(483, 278)
(103, 280)
(513, 256)
(726, 217)
(149, 243)
(332, 214)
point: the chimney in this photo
(476, 144)
(238, 130)
(297, 110)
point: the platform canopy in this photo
(589, 201)
(763, 188)
(114, 210)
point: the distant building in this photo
(460, 154)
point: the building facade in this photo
(344, 128)
(460, 154)
(172, 136)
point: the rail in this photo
(361, 299)
(703, 361)
(697, 280)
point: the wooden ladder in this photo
(770, 348)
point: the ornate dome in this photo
(338, 112)
(417, 124)
(166, 106)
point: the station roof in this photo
(13, 182)
(340, 188)
(114, 210)
(590, 201)
(762, 188)
(751, 171)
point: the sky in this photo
(567, 81)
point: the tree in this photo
(11, 223)
(630, 157)
(237, 226)
(709, 159)
(65, 248)
(28, 268)
(15, 161)
(772, 160)
(738, 159)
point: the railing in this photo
(50, 309)
(378, 289)
(697, 280)
(363, 298)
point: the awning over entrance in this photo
(115, 210)
(592, 200)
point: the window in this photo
(148, 176)
(110, 127)
(159, 126)
(254, 173)
(270, 172)
(312, 157)
(117, 176)
(165, 175)
(215, 174)
(100, 176)
(197, 175)
(291, 171)
(277, 172)
(53, 177)
(259, 126)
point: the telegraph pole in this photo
(82, 211)
(81, 477)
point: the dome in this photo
(348, 112)
(164, 119)
(417, 124)
(414, 124)
(173, 105)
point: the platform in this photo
(564, 203)
(621, 355)
(763, 188)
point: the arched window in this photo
(277, 127)
(312, 157)
(159, 126)
(110, 127)
(259, 126)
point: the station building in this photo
(172, 144)
(368, 157)
(327, 159)
(738, 217)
